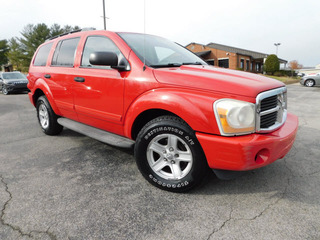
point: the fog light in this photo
(262, 156)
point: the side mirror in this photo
(103, 59)
(108, 59)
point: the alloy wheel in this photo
(169, 157)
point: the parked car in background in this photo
(13, 82)
(310, 80)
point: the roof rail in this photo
(74, 31)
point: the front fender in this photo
(43, 86)
(193, 107)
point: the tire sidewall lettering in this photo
(175, 130)
(168, 185)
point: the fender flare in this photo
(194, 108)
(43, 86)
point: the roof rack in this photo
(74, 31)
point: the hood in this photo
(216, 79)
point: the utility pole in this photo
(104, 15)
(277, 45)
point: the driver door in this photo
(98, 90)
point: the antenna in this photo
(144, 35)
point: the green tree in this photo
(4, 48)
(15, 54)
(272, 64)
(56, 30)
(32, 37)
(68, 28)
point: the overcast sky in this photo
(249, 24)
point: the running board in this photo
(98, 134)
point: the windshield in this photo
(160, 52)
(13, 76)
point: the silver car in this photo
(310, 80)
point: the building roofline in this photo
(236, 48)
(239, 51)
(195, 43)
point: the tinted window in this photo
(65, 52)
(98, 44)
(42, 55)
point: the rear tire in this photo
(169, 155)
(47, 118)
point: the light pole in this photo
(104, 15)
(277, 45)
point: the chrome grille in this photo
(271, 110)
(268, 120)
(269, 103)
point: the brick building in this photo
(231, 57)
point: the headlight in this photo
(234, 117)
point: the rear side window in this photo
(42, 55)
(98, 44)
(65, 53)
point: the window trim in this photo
(59, 46)
(98, 67)
(47, 58)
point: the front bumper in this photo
(248, 152)
(302, 81)
(16, 87)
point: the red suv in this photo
(182, 115)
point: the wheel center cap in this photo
(169, 156)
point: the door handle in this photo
(79, 79)
(47, 76)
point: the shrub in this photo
(272, 64)
(278, 74)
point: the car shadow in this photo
(287, 175)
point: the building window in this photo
(210, 62)
(248, 65)
(223, 63)
(242, 63)
(258, 67)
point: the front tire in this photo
(309, 83)
(5, 90)
(169, 155)
(47, 118)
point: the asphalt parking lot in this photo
(73, 187)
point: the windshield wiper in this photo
(192, 63)
(166, 65)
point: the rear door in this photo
(61, 76)
(98, 94)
